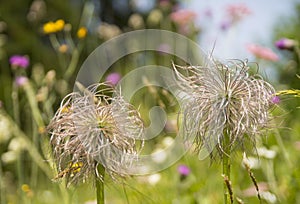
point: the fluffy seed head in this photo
(223, 99)
(92, 128)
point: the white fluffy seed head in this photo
(91, 128)
(223, 99)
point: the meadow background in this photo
(42, 46)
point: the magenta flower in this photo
(183, 170)
(285, 44)
(19, 61)
(21, 80)
(113, 78)
(275, 100)
(183, 17)
(262, 52)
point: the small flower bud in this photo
(63, 48)
(285, 44)
(275, 100)
(82, 32)
(113, 78)
(155, 17)
(21, 80)
(183, 170)
(136, 21)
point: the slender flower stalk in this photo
(224, 106)
(91, 134)
(100, 185)
(291, 92)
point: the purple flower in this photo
(113, 78)
(19, 61)
(285, 44)
(275, 100)
(183, 170)
(225, 25)
(208, 13)
(21, 80)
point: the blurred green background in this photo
(26, 164)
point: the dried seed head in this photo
(223, 99)
(91, 129)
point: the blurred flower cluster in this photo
(234, 14)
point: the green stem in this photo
(282, 148)
(74, 61)
(37, 116)
(226, 168)
(2, 184)
(297, 50)
(34, 167)
(20, 171)
(15, 100)
(55, 44)
(100, 185)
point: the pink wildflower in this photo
(262, 52)
(113, 78)
(21, 80)
(275, 100)
(183, 16)
(237, 11)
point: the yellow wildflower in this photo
(81, 33)
(59, 25)
(25, 188)
(53, 27)
(41, 129)
(48, 27)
